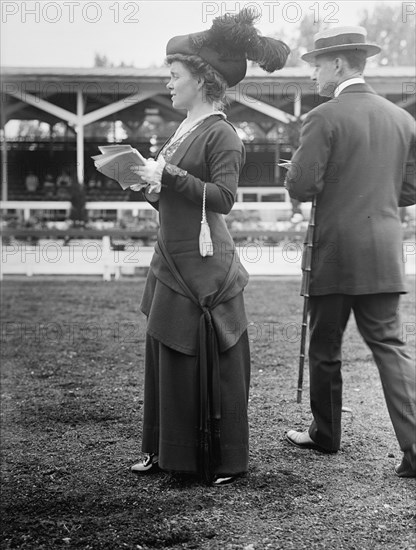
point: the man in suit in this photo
(356, 155)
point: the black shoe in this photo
(302, 440)
(404, 469)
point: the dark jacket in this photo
(212, 154)
(357, 155)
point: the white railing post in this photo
(106, 249)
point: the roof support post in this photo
(4, 164)
(297, 105)
(79, 128)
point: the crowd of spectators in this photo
(43, 187)
(60, 187)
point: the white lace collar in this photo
(184, 128)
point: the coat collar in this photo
(183, 147)
(357, 88)
(349, 82)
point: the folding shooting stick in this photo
(306, 275)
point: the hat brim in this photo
(370, 49)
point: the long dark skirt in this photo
(171, 407)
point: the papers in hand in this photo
(116, 162)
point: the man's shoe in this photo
(147, 465)
(302, 440)
(404, 469)
(296, 218)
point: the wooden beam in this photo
(124, 103)
(167, 104)
(44, 105)
(72, 118)
(10, 109)
(261, 107)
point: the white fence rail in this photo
(97, 257)
(27, 208)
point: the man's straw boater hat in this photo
(338, 39)
(229, 43)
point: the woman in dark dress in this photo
(197, 366)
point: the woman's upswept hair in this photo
(215, 85)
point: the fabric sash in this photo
(209, 372)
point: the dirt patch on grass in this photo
(72, 390)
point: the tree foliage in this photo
(393, 30)
(388, 25)
(101, 60)
(301, 41)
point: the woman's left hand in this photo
(152, 170)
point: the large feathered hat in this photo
(229, 43)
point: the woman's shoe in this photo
(404, 469)
(219, 481)
(147, 465)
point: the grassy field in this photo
(72, 390)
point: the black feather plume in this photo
(234, 36)
(269, 53)
(230, 34)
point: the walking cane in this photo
(306, 275)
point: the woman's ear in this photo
(201, 82)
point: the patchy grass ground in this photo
(72, 389)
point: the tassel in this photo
(216, 442)
(205, 444)
(205, 243)
(206, 467)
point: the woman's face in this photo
(183, 86)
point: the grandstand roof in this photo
(83, 96)
(157, 72)
(261, 96)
